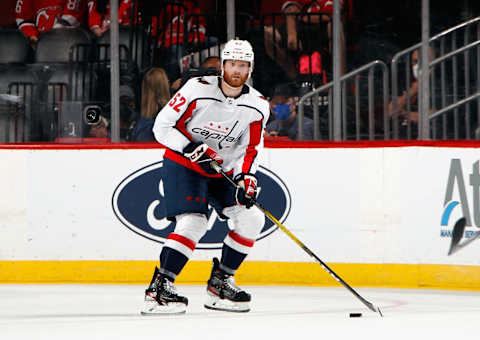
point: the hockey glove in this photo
(246, 192)
(202, 154)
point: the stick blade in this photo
(372, 307)
(457, 234)
(379, 312)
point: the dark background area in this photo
(398, 23)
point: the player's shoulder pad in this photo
(198, 80)
(206, 80)
(257, 94)
(196, 85)
(260, 102)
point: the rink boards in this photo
(380, 214)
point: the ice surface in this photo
(278, 312)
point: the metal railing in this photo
(454, 91)
(450, 92)
(458, 102)
(372, 129)
(365, 94)
(15, 112)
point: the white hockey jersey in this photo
(200, 112)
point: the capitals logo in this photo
(457, 203)
(137, 203)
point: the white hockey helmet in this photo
(237, 49)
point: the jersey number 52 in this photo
(176, 105)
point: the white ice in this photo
(36, 311)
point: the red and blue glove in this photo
(202, 154)
(246, 192)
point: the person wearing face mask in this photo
(285, 123)
(408, 114)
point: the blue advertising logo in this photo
(137, 203)
(456, 202)
(447, 212)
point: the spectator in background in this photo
(99, 130)
(212, 62)
(275, 47)
(128, 112)
(99, 15)
(35, 17)
(210, 66)
(283, 105)
(304, 35)
(319, 6)
(127, 96)
(407, 103)
(155, 95)
(170, 30)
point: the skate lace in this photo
(169, 287)
(230, 283)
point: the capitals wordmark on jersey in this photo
(200, 112)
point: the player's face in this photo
(235, 72)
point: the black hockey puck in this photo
(355, 315)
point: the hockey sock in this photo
(231, 259)
(171, 262)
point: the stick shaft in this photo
(368, 304)
(272, 218)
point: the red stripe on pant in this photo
(183, 240)
(240, 239)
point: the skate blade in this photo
(215, 303)
(153, 308)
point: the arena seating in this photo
(56, 45)
(134, 40)
(14, 46)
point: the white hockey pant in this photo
(245, 225)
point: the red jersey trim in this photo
(180, 159)
(181, 123)
(251, 153)
(240, 239)
(183, 240)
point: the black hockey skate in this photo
(161, 297)
(224, 294)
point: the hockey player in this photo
(35, 17)
(210, 118)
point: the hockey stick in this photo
(457, 234)
(369, 305)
